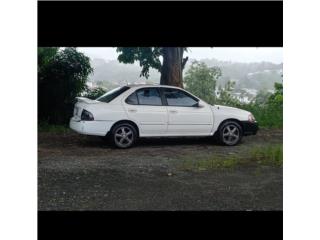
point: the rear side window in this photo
(149, 96)
(132, 99)
(109, 96)
(176, 97)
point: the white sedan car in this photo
(126, 113)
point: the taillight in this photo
(86, 115)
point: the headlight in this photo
(86, 116)
(251, 118)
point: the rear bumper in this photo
(249, 128)
(97, 128)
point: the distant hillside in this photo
(257, 76)
(261, 75)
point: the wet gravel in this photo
(78, 172)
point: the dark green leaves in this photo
(62, 77)
(148, 57)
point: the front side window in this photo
(176, 97)
(132, 99)
(109, 96)
(149, 96)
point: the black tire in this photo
(123, 135)
(230, 133)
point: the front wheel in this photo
(230, 133)
(124, 135)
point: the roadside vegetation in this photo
(62, 76)
(270, 155)
(267, 108)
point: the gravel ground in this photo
(77, 172)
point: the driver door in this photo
(185, 116)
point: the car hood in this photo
(232, 111)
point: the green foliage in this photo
(94, 93)
(277, 97)
(45, 56)
(266, 107)
(148, 57)
(62, 77)
(268, 116)
(225, 97)
(201, 80)
(270, 112)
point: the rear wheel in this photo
(230, 133)
(124, 135)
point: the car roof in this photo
(149, 85)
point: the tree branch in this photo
(184, 61)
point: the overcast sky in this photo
(235, 54)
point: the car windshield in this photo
(112, 94)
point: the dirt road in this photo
(78, 172)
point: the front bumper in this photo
(97, 128)
(249, 128)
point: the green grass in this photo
(45, 127)
(270, 155)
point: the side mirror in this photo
(199, 105)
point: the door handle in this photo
(132, 110)
(173, 111)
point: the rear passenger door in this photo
(145, 107)
(185, 117)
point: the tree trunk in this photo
(172, 66)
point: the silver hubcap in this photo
(231, 134)
(123, 136)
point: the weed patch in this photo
(45, 127)
(268, 155)
(271, 155)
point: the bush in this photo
(62, 76)
(269, 116)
